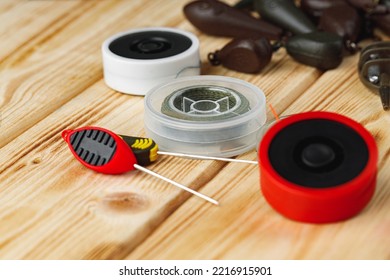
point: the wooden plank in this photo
(65, 64)
(6, 5)
(246, 227)
(65, 205)
(24, 21)
(74, 212)
(52, 207)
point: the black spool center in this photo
(150, 45)
(318, 153)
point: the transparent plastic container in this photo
(205, 115)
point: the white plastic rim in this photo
(221, 137)
(138, 76)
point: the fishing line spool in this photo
(205, 115)
(318, 167)
(139, 59)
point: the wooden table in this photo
(52, 207)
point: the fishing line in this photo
(205, 115)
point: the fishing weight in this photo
(372, 7)
(219, 19)
(316, 33)
(315, 8)
(244, 55)
(383, 22)
(318, 49)
(285, 14)
(344, 21)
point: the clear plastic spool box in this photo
(205, 115)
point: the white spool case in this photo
(137, 76)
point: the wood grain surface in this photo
(51, 207)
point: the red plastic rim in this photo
(317, 205)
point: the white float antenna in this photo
(143, 169)
(206, 157)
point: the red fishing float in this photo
(107, 152)
(318, 167)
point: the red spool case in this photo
(312, 205)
